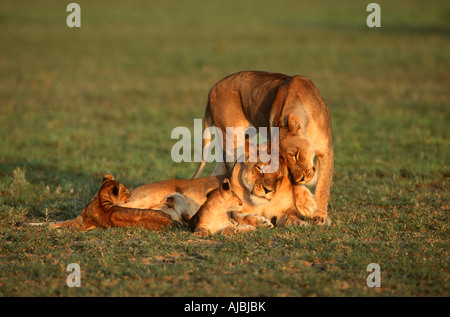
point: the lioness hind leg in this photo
(147, 218)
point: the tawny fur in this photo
(212, 217)
(291, 103)
(102, 211)
(264, 195)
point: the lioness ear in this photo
(107, 177)
(293, 123)
(226, 184)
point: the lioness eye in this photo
(258, 168)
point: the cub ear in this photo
(293, 123)
(107, 177)
(226, 185)
(115, 190)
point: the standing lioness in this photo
(291, 103)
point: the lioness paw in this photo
(251, 219)
(228, 231)
(202, 233)
(322, 221)
(293, 221)
(245, 228)
(263, 222)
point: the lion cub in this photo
(212, 217)
(102, 211)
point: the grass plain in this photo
(76, 103)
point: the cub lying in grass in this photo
(213, 218)
(102, 211)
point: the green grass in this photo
(77, 103)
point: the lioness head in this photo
(298, 151)
(262, 185)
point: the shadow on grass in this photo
(34, 190)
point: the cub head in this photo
(298, 151)
(233, 201)
(113, 191)
(226, 196)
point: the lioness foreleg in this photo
(322, 193)
(304, 201)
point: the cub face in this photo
(117, 192)
(298, 152)
(232, 201)
(223, 198)
(114, 191)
